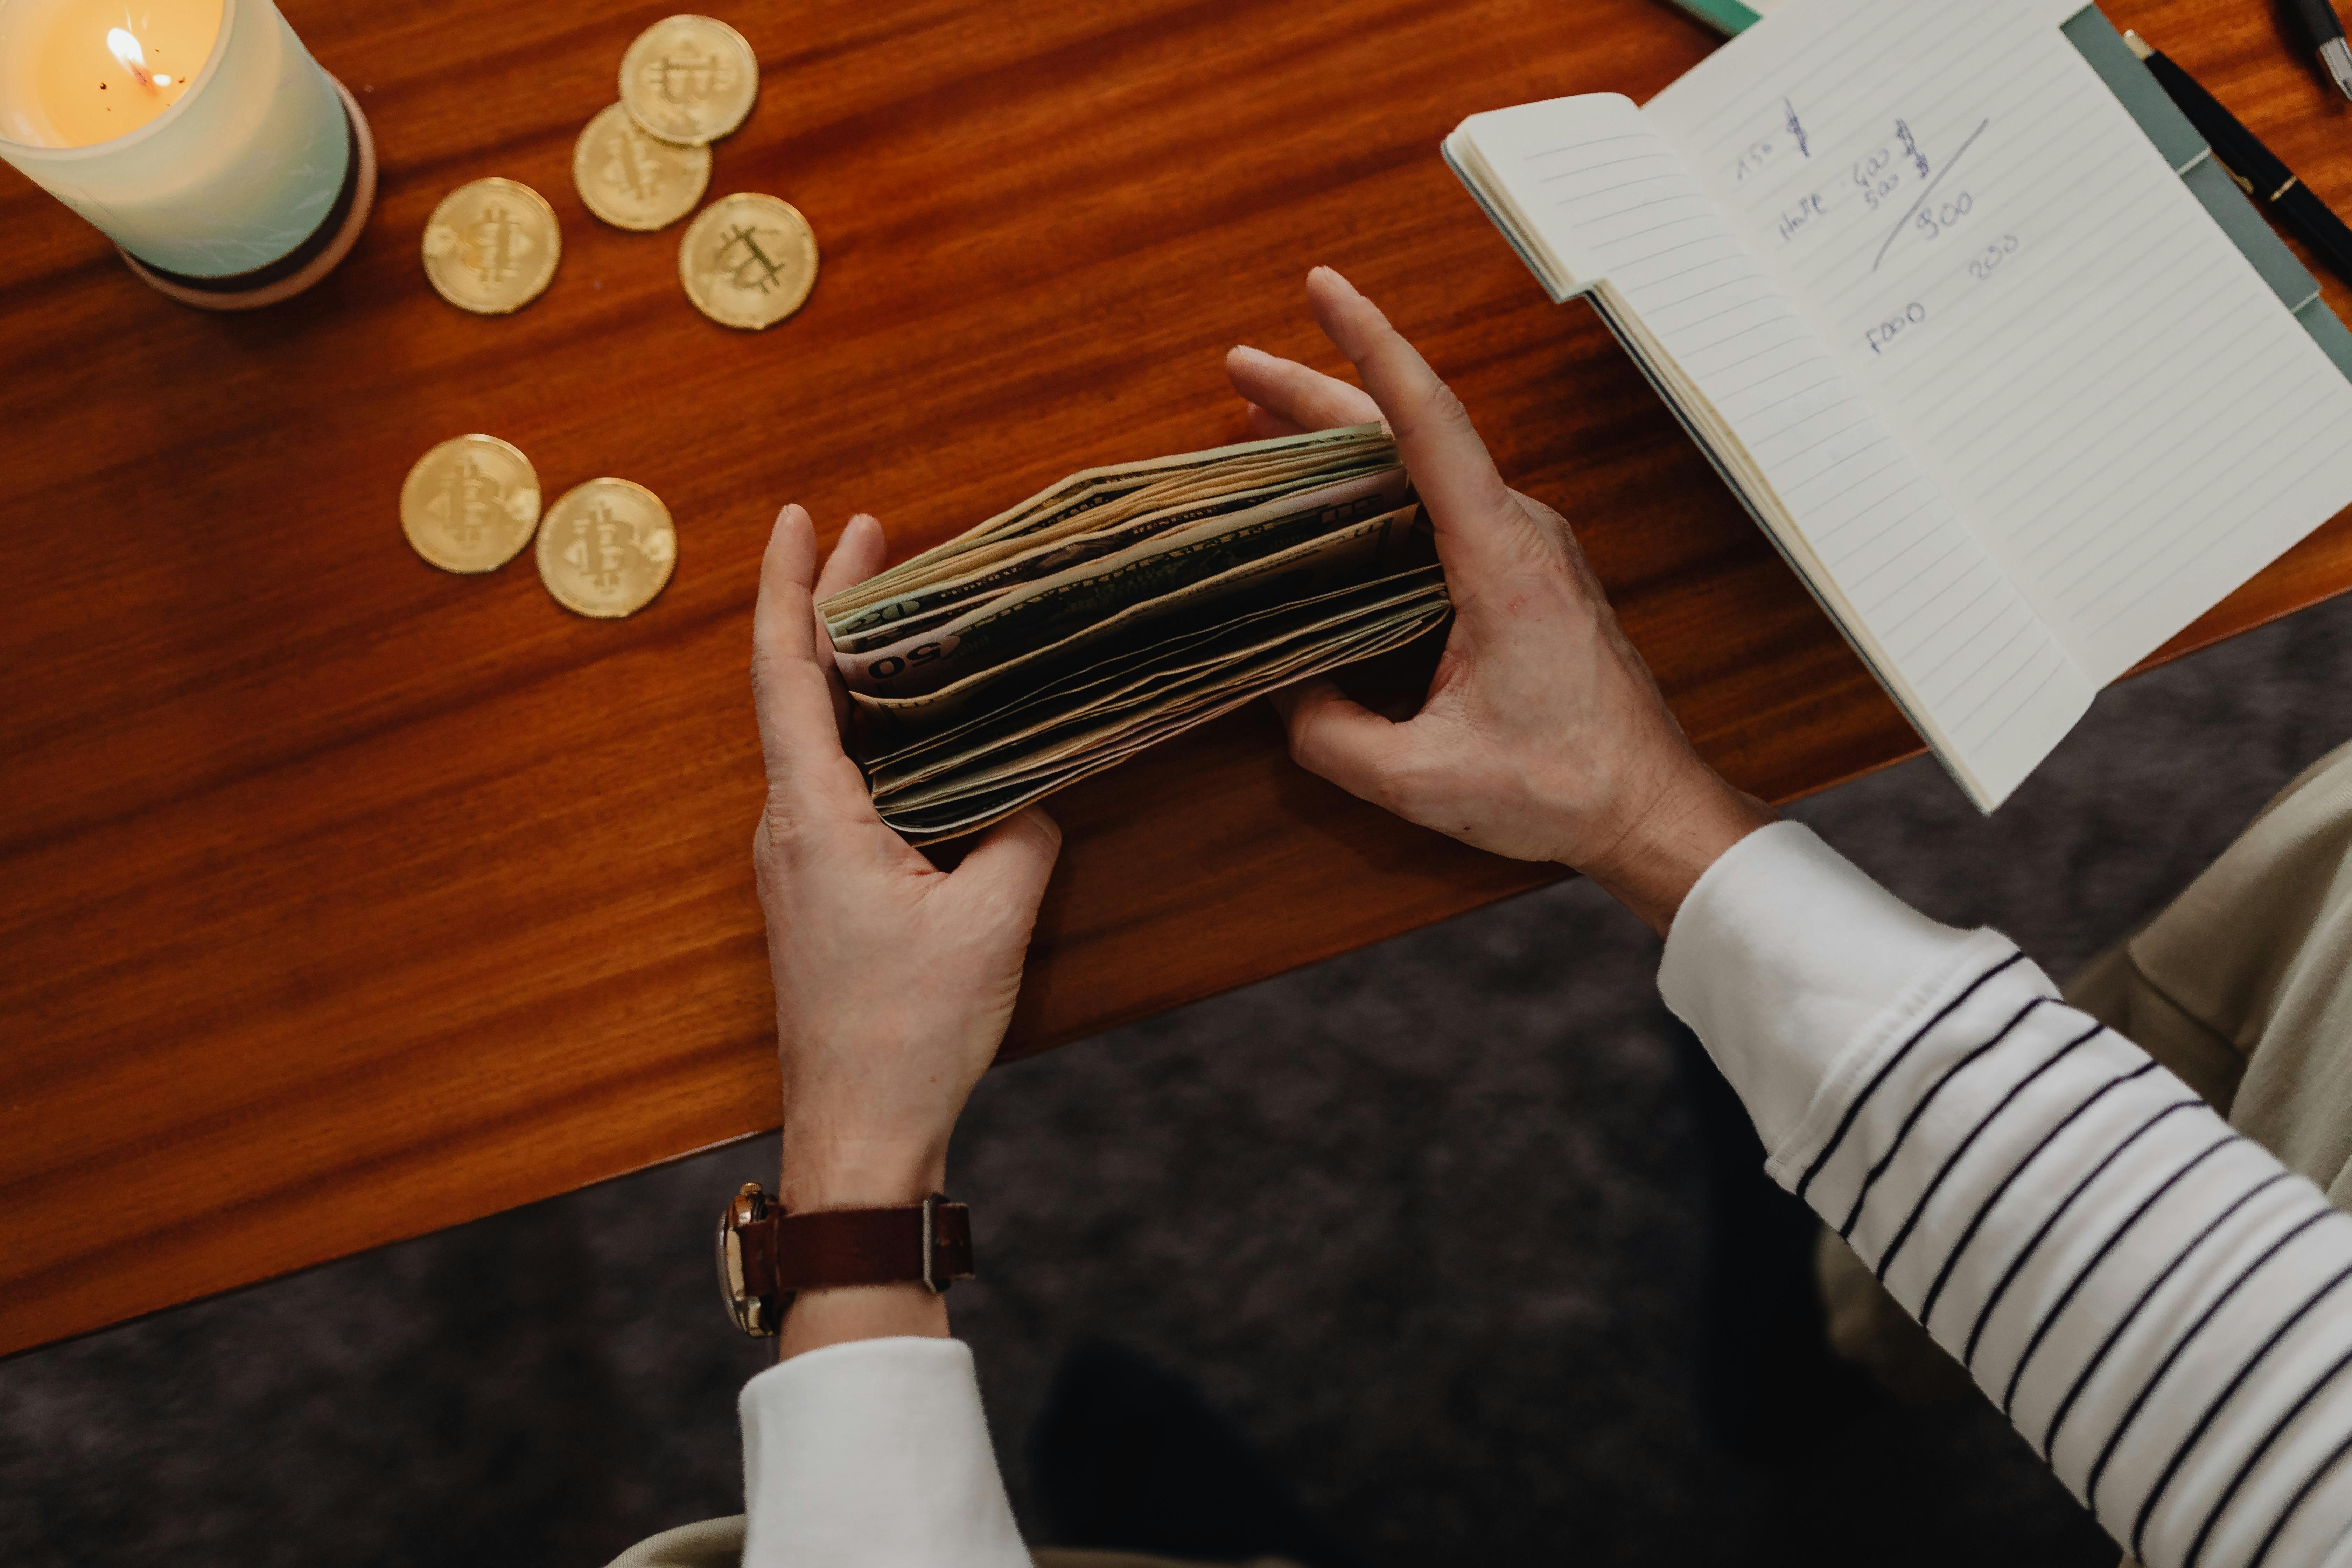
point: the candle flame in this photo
(124, 44)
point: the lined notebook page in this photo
(1986, 679)
(2049, 320)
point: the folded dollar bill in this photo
(1121, 606)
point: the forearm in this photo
(2160, 1307)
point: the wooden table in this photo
(346, 899)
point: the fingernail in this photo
(1248, 352)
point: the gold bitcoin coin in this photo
(492, 245)
(748, 260)
(632, 180)
(606, 548)
(469, 504)
(689, 80)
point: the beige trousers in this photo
(2242, 987)
(718, 1543)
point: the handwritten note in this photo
(1925, 599)
(2046, 318)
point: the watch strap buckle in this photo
(931, 1245)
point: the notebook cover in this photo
(2099, 42)
(1726, 15)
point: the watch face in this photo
(749, 1311)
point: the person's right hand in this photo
(1543, 736)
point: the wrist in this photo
(820, 1318)
(821, 1315)
(823, 1169)
(1679, 833)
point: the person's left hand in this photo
(1542, 736)
(895, 980)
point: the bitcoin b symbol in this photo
(684, 77)
(496, 244)
(632, 166)
(600, 548)
(756, 270)
(469, 504)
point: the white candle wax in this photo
(238, 166)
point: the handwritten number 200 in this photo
(1934, 220)
(1992, 255)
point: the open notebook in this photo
(2013, 403)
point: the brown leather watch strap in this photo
(784, 1252)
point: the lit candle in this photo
(198, 134)
(101, 70)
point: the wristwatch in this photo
(766, 1256)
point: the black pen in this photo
(2324, 31)
(2255, 167)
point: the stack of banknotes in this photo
(1119, 607)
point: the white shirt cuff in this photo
(873, 1452)
(1786, 960)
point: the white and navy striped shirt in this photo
(2162, 1308)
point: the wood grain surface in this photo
(346, 899)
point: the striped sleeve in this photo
(2161, 1309)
